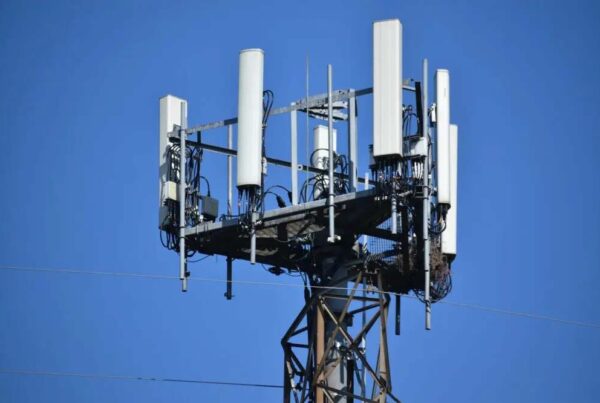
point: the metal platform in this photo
(281, 232)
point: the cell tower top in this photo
(394, 236)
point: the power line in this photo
(135, 378)
(275, 284)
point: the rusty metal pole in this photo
(384, 361)
(320, 349)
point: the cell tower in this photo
(354, 248)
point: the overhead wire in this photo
(276, 284)
(135, 378)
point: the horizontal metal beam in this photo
(212, 125)
(300, 105)
(270, 160)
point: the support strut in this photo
(322, 349)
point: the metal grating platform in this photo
(356, 213)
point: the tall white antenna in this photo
(387, 88)
(250, 118)
(442, 99)
(449, 234)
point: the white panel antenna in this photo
(442, 95)
(250, 117)
(170, 118)
(449, 234)
(387, 88)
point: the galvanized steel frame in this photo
(304, 382)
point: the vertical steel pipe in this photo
(331, 162)
(352, 144)
(182, 194)
(426, 243)
(394, 224)
(229, 171)
(366, 237)
(253, 244)
(397, 316)
(228, 292)
(294, 152)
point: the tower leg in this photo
(321, 369)
(320, 348)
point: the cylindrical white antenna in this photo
(250, 116)
(442, 99)
(449, 234)
(321, 146)
(387, 88)
(320, 155)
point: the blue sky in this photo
(79, 129)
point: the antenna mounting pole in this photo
(182, 194)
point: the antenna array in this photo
(408, 211)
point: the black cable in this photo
(289, 193)
(280, 201)
(192, 197)
(207, 185)
(268, 99)
(135, 378)
(315, 151)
